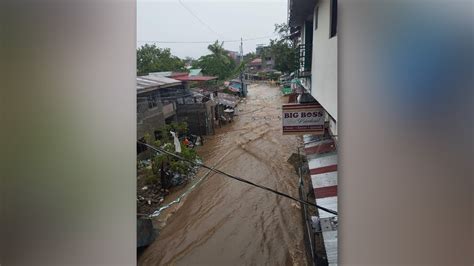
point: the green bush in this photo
(150, 177)
(168, 162)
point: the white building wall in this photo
(324, 64)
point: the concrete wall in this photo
(169, 109)
(324, 64)
(199, 116)
(149, 122)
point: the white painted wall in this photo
(324, 64)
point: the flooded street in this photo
(226, 222)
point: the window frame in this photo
(316, 15)
(333, 19)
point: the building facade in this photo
(156, 105)
(314, 31)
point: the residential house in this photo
(268, 62)
(263, 64)
(255, 65)
(234, 55)
(192, 105)
(198, 111)
(155, 103)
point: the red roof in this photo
(256, 61)
(194, 78)
(178, 74)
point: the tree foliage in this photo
(164, 165)
(282, 49)
(249, 57)
(218, 63)
(151, 58)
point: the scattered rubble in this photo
(151, 195)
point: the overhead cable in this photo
(199, 19)
(191, 42)
(236, 178)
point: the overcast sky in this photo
(170, 21)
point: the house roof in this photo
(227, 99)
(162, 73)
(256, 61)
(195, 78)
(193, 75)
(152, 82)
(177, 74)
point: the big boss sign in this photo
(303, 119)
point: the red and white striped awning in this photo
(322, 161)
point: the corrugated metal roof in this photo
(146, 83)
(163, 73)
(330, 243)
(227, 99)
(195, 78)
(178, 74)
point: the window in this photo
(333, 22)
(316, 18)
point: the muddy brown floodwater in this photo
(226, 222)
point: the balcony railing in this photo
(303, 60)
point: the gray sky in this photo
(168, 20)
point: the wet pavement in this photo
(226, 222)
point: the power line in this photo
(238, 178)
(248, 39)
(200, 20)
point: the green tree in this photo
(282, 49)
(151, 58)
(162, 163)
(218, 63)
(249, 57)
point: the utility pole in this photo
(244, 92)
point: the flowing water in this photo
(226, 222)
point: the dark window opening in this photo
(316, 18)
(333, 24)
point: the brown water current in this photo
(226, 222)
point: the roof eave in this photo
(299, 11)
